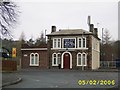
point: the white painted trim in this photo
(56, 43)
(68, 38)
(78, 42)
(69, 49)
(30, 58)
(59, 57)
(85, 59)
(82, 59)
(34, 60)
(37, 59)
(33, 49)
(81, 42)
(63, 60)
(53, 60)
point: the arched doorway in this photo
(66, 60)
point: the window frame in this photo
(55, 59)
(68, 38)
(81, 42)
(78, 59)
(85, 59)
(58, 44)
(82, 59)
(34, 64)
(57, 62)
(59, 58)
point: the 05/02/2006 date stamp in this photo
(96, 82)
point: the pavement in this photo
(9, 78)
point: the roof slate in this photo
(69, 32)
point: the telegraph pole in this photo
(102, 55)
(45, 36)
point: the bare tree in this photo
(8, 16)
(106, 37)
(106, 46)
(22, 37)
(40, 40)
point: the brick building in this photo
(74, 48)
(66, 49)
(34, 57)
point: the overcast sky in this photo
(38, 16)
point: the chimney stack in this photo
(53, 29)
(91, 28)
(96, 32)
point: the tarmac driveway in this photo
(65, 79)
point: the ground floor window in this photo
(56, 59)
(81, 59)
(34, 59)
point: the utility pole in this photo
(102, 53)
(45, 36)
(102, 35)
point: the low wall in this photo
(9, 65)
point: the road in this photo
(64, 79)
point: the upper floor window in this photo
(82, 42)
(69, 43)
(56, 43)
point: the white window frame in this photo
(68, 38)
(34, 59)
(81, 42)
(56, 43)
(55, 59)
(85, 59)
(37, 58)
(78, 60)
(85, 42)
(59, 62)
(82, 59)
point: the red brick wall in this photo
(25, 60)
(74, 53)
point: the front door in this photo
(66, 62)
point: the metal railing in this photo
(108, 64)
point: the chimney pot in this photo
(53, 29)
(96, 31)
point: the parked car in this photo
(4, 52)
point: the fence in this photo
(108, 64)
(9, 65)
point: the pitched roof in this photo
(69, 32)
